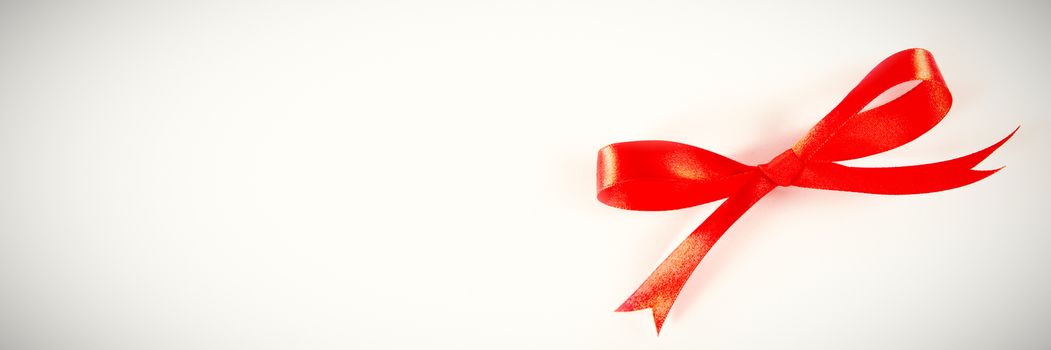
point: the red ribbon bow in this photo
(663, 175)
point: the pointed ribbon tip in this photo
(664, 175)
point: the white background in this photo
(418, 174)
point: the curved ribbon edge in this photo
(914, 179)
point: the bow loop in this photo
(663, 175)
(847, 132)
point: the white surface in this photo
(415, 174)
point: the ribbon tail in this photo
(660, 290)
(914, 179)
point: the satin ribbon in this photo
(663, 175)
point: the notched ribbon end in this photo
(660, 312)
(659, 305)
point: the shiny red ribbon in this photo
(663, 175)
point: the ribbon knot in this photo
(783, 169)
(663, 175)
